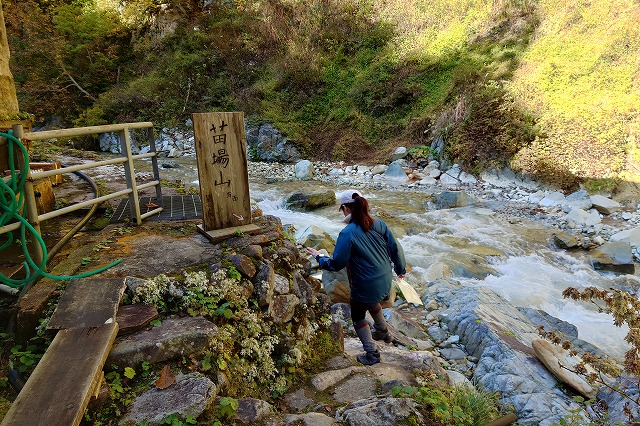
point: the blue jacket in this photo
(368, 257)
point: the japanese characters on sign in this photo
(222, 169)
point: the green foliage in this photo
(422, 152)
(227, 407)
(176, 420)
(459, 406)
(601, 186)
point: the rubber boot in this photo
(371, 355)
(381, 332)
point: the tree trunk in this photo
(8, 99)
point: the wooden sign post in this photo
(221, 156)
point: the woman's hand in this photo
(313, 252)
(401, 276)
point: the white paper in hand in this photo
(408, 292)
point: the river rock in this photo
(376, 412)
(243, 264)
(500, 179)
(174, 337)
(566, 241)
(552, 199)
(309, 419)
(318, 238)
(378, 169)
(550, 323)
(579, 217)
(132, 318)
(614, 257)
(405, 325)
(251, 411)
(355, 387)
(336, 285)
(577, 200)
(559, 361)
(264, 284)
(303, 201)
(632, 236)
(282, 308)
(605, 205)
(500, 338)
(395, 171)
(399, 153)
(189, 396)
(452, 199)
(302, 289)
(304, 170)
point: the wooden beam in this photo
(88, 302)
(59, 389)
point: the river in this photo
(512, 256)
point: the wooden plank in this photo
(88, 302)
(221, 156)
(218, 235)
(58, 391)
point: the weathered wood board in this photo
(88, 302)
(59, 389)
(218, 235)
(221, 156)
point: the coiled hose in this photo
(11, 205)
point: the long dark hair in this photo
(360, 212)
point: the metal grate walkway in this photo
(176, 207)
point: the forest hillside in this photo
(547, 87)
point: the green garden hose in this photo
(12, 203)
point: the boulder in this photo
(336, 285)
(566, 241)
(281, 284)
(375, 412)
(174, 337)
(395, 171)
(399, 153)
(552, 199)
(252, 411)
(499, 336)
(577, 200)
(266, 143)
(579, 217)
(631, 236)
(304, 170)
(189, 396)
(605, 205)
(303, 201)
(559, 362)
(452, 199)
(613, 256)
(317, 238)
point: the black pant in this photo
(359, 310)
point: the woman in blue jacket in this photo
(367, 248)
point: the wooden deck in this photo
(70, 372)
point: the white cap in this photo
(347, 196)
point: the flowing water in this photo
(476, 246)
